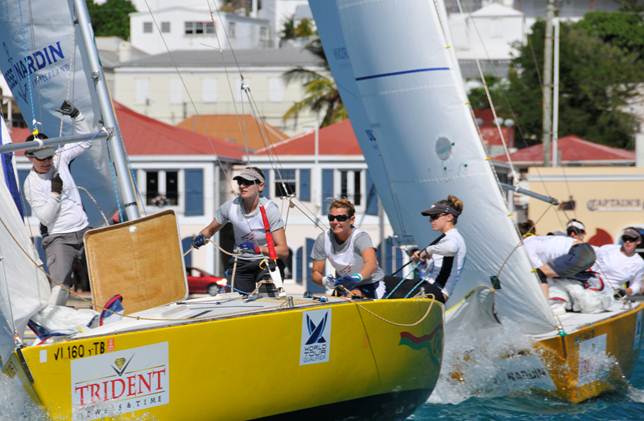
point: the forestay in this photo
(42, 63)
(398, 78)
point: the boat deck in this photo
(202, 309)
(573, 321)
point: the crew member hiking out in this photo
(244, 213)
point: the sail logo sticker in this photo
(316, 337)
(112, 384)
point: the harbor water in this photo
(625, 404)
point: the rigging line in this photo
(70, 81)
(512, 112)
(95, 203)
(515, 176)
(241, 123)
(181, 78)
(273, 158)
(30, 89)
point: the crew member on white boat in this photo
(448, 253)
(556, 256)
(576, 229)
(620, 264)
(243, 212)
(351, 253)
(53, 196)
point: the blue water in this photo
(627, 404)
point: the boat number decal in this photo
(120, 382)
(71, 352)
(592, 360)
(316, 337)
(637, 338)
(522, 372)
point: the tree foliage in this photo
(322, 95)
(600, 67)
(111, 18)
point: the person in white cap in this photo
(243, 212)
(53, 196)
(619, 264)
(576, 229)
(446, 255)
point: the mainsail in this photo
(41, 61)
(398, 77)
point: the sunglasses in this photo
(436, 216)
(244, 182)
(339, 218)
(626, 238)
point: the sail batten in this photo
(398, 78)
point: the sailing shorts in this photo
(579, 258)
(61, 251)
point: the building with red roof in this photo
(573, 151)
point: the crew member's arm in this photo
(81, 126)
(370, 262)
(636, 286)
(317, 273)
(44, 204)
(211, 228)
(281, 248)
(445, 247)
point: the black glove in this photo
(67, 108)
(619, 293)
(542, 276)
(198, 241)
(57, 184)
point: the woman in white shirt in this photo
(446, 255)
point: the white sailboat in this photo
(399, 78)
(168, 357)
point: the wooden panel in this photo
(141, 260)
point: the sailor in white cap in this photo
(55, 200)
(243, 212)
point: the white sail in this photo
(24, 289)
(41, 61)
(396, 73)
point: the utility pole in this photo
(547, 86)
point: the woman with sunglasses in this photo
(446, 255)
(243, 212)
(619, 264)
(351, 253)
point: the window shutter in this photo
(371, 205)
(327, 189)
(305, 185)
(194, 193)
(267, 182)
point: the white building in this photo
(155, 87)
(183, 28)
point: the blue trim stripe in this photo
(402, 72)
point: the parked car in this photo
(202, 282)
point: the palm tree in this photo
(321, 92)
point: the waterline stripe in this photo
(403, 72)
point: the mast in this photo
(555, 98)
(547, 85)
(115, 141)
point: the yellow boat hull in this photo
(378, 358)
(572, 359)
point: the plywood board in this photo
(142, 260)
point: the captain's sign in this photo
(120, 382)
(615, 205)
